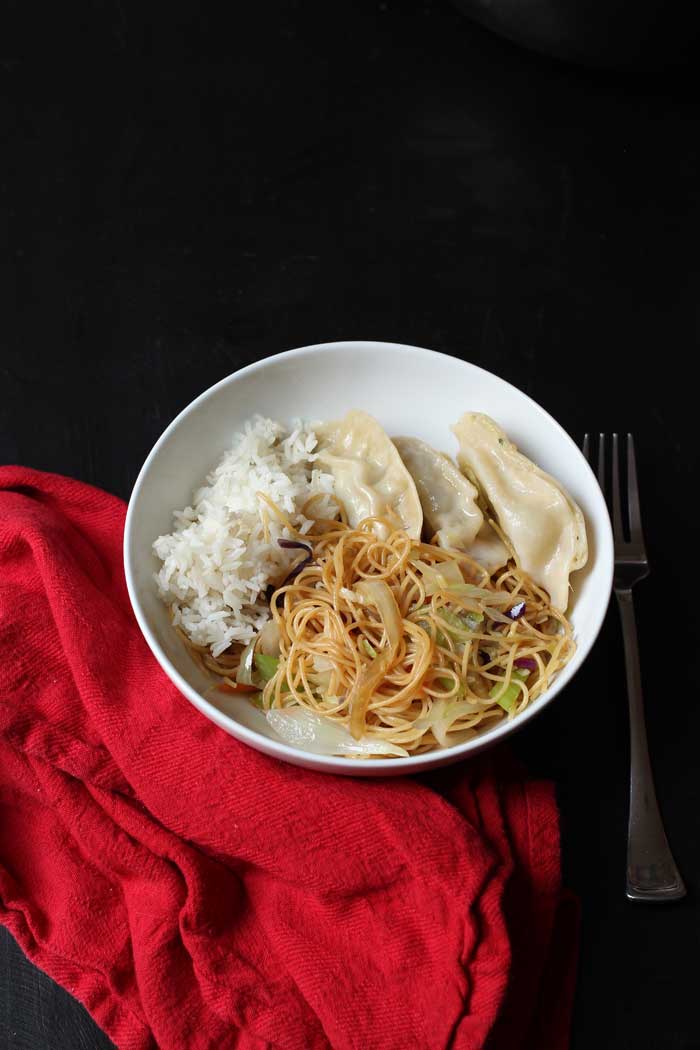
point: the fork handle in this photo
(652, 874)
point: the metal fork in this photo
(652, 874)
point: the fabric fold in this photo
(194, 893)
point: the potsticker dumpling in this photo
(543, 524)
(370, 478)
(488, 549)
(449, 502)
(448, 499)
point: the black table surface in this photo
(182, 196)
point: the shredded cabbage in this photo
(507, 697)
(244, 674)
(379, 593)
(443, 714)
(459, 623)
(468, 590)
(367, 649)
(305, 730)
(266, 666)
(442, 577)
(268, 640)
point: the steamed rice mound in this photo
(223, 553)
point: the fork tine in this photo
(635, 514)
(601, 461)
(586, 447)
(617, 508)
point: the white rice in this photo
(217, 562)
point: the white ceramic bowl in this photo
(411, 391)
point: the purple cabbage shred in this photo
(526, 663)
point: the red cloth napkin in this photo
(193, 893)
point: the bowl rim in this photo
(334, 763)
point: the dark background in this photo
(182, 195)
